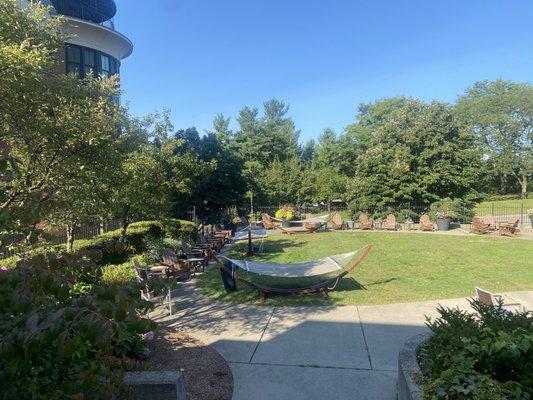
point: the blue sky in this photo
(203, 57)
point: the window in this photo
(73, 60)
(84, 61)
(89, 62)
(105, 65)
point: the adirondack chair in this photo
(478, 227)
(309, 222)
(510, 228)
(336, 221)
(390, 223)
(177, 268)
(426, 224)
(365, 223)
(267, 221)
(144, 275)
(489, 221)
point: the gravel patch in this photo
(207, 374)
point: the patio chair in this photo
(491, 299)
(310, 223)
(426, 224)
(177, 268)
(267, 221)
(143, 276)
(365, 223)
(390, 223)
(488, 220)
(510, 228)
(336, 221)
(478, 227)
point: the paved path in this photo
(308, 352)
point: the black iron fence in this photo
(501, 212)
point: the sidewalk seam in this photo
(364, 338)
(262, 334)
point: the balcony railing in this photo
(96, 11)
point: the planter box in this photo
(443, 224)
(156, 385)
(408, 368)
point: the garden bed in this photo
(207, 374)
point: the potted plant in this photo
(444, 212)
(285, 214)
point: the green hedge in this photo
(115, 252)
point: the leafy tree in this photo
(419, 155)
(57, 130)
(280, 182)
(500, 115)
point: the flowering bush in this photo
(286, 213)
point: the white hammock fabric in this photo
(299, 270)
(319, 219)
(256, 234)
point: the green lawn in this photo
(504, 207)
(400, 268)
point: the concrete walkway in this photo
(308, 353)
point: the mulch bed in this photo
(207, 374)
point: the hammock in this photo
(302, 221)
(299, 270)
(329, 271)
(256, 234)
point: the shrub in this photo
(286, 213)
(57, 344)
(120, 274)
(454, 209)
(481, 355)
(179, 229)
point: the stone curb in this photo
(408, 368)
(156, 385)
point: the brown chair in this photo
(309, 222)
(478, 227)
(510, 228)
(426, 224)
(365, 223)
(177, 268)
(336, 221)
(488, 220)
(267, 221)
(390, 223)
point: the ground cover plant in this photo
(485, 355)
(400, 268)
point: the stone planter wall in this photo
(156, 385)
(408, 368)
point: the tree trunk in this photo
(125, 223)
(503, 184)
(101, 228)
(523, 184)
(70, 238)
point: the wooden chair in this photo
(309, 222)
(143, 276)
(365, 223)
(510, 228)
(336, 221)
(267, 221)
(478, 227)
(426, 224)
(176, 268)
(488, 220)
(390, 223)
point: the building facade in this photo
(93, 44)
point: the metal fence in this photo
(85, 231)
(501, 212)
